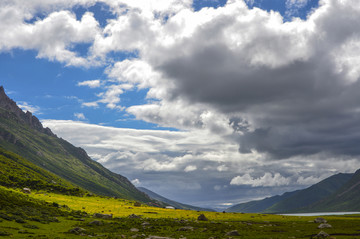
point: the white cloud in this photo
(80, 116)
(52, 36)
(27, 107)
(308, 181)
(136, 182)
(268, 180)
(190, 168)
(90, 104)
(90, 83)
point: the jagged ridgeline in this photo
(23, 134)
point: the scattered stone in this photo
(77, 230)
(202, 218)
(26, 190)
(157, 237)
(322, 234)
(96, 223)
(186, 229)
(145, 224)
(320, 220)
(324, 225)
(233, 233)
(103, 216)
(134, 216)
(134, 230)
(137, 204)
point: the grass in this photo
(171, 223)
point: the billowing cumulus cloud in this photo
(268, 180)
(258, 101)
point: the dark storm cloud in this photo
(302, 106)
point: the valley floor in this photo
(164, 223)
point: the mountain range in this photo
(172, 203)
(339, 192)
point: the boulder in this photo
(134, 216)
(103, 216)
(134, 230)
(320, 220)
(233, 233)
(185, 229)
(26, 190)
(96, 223)
(202, 218)
(322, 234)
(77, 230)
(157, 237)
(145, 224)
(324, 225)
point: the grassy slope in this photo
(308, 196)
(347, 198)
(33, 215)
(16, 172)
(63, 159)
(168, 222)
(175, 204)
(295, 201)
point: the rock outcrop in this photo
(11, 106)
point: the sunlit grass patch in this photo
(163, 222)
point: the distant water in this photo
(319, 214)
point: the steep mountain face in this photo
(23, 134)
(297, 201)
(346, 199)
(175, 204)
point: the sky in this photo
(209, 103)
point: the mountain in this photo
(259, 206)
(175, 204)
(23, 134)
(346, 199)
(298, 200)
(17, 172)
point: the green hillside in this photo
(308, 196)
(24, 135)
(347, 198)
(297, 201)
(16, 172)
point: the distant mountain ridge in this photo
(297, 201)
(175, 204)
(23, 134)
(347, 198)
